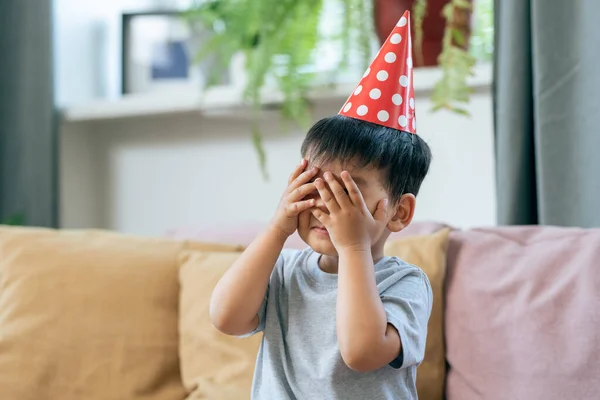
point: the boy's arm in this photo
(367, 341)
(368, 337)
(237, 298)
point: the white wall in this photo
(147, 175)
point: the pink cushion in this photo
(244, 234)
(523, 314)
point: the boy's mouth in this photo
(321, 230)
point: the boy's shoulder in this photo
(393, 264)
(394, 273)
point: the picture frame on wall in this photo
(158, 50)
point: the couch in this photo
(100, 315)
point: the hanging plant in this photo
(279, 38)
(455, 60)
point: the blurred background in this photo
(155, 117)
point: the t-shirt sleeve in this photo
(407, 304)
(273, 282)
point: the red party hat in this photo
(385, 94)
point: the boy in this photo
(340, 320)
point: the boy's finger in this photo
(302, 191)
(320, 204)
(297, 171)
(320, 215)
(380, 213)
(303, 178)
(299, 206)
(353, 190)
(326, 196)
(338, 191)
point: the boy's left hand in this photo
(349, 222)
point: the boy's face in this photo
(368, 180)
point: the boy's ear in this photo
(403, 213)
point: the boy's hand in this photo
(349, 222)
(292, 203)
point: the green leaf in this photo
(462, 4)
(257, 142)
(460, 111)
(419, 14)
(459, 37)
(448, 11)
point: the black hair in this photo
(402, 157)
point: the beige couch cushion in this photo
(213, 366)
(429, 253)
(88, 315)
(218, 367)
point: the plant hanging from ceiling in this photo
(279, 39)
(455, 60)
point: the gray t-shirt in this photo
(299, 356)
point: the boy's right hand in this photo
(292, 202)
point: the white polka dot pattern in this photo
(390, 57)
(383, 116)
(395, 38)
(362, 110)
(375, 94)
(402, 121)
(382, 75)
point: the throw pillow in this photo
(88, 315)
(428, 252)
(213, 366)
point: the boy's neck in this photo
(329, 264)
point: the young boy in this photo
(340, 320)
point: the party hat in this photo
(385, 94)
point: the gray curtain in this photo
(28, 155)
(547, 112)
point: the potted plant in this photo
(429, 23)
(279, 37)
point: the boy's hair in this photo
(402, 157)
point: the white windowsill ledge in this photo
(221, 100)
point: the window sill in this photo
(226, 100)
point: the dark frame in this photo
(125, 30)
